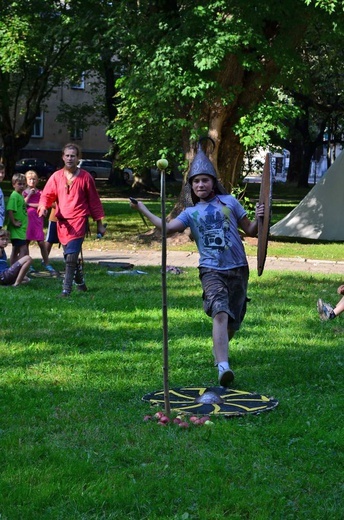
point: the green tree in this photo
(203, 66)
(316, 89)
(40, 46)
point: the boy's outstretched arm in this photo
(173, 226)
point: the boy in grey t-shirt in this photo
(214, 220)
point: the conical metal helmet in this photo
(201, 163)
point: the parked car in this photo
(128, 175)
(98, 168)
(43, 168)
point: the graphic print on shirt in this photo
(213, 228)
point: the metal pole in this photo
(164, 293)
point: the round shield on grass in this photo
(213, 400)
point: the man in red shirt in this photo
(74, 192)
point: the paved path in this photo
(141, 258)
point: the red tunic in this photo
(75, 202)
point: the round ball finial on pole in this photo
(162, 164)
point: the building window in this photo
(38, 126)
(76, 133)
(80, 85)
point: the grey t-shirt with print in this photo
(214, 226)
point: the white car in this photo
(98, 168)
(128, 175)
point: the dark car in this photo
(43, 168)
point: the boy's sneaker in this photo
(32, 269)
(64, 294)
(49, 268)
(325, 310)
(226, 377)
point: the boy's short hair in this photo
(2, 166)
(4, 233)
(18, 177)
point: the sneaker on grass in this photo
(325, 310)
(49, 268)
(226, 377)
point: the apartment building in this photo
(49, 135)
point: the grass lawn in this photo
(73, 372)
(126, 230)
(73, 443)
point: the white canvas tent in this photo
(320, 215)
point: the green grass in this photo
(73, 444)
(126, 230)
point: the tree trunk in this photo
(231, 156)
(11, 147)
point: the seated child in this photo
(16, 274)
(326, 311)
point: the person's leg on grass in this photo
(220, 347)
(339, 308)
(79, 276)
(25, 262)
(44, 253)
(45, 256)
(71, 260)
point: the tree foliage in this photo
(210, 66)
(41, 46)
(239, 71)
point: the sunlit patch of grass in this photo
(73, 373)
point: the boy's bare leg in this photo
(48, 248)
(339, 308)
(44, 252)
(25, 262)
(220, 337)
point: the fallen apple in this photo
(164, 419)
(184, 424)
(208, 423)
(147, 418)
(204, 419)
(158, 415)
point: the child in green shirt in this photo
(17, 218)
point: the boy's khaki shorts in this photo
(225, 291)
